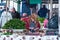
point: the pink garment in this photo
(45, 23)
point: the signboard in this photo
(35, 1)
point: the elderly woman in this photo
(25, 18)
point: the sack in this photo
(53, 22)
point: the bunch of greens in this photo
(41, 19)
(14, 24)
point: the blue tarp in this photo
(25, 9)
(2, 4)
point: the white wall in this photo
(13, 4)
(0, 1)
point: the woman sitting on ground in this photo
(25, 18)
(34, 23)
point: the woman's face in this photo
(33, 17)
(12, 10)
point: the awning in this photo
(35, 1)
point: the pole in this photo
(59, 19)
(8, 3)
(31, 10)
(6, 9)
(51, 7)
(18, 5)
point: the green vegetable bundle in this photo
(14, 24)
